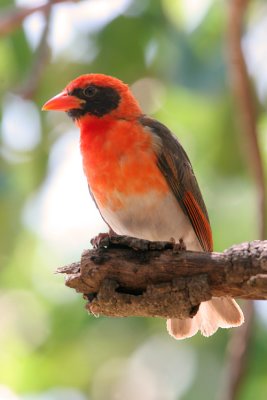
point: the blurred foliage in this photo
(49, 347)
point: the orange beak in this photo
(63, 102)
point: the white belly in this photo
(155, 217)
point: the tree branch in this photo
(29, 87)
(12, 18)
(133, 277)
(245, 102)
(237, 362)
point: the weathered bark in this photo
(132, 277)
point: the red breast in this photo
(119, 156)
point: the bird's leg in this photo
(178, 246)
(102, 239)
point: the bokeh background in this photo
(174, 55)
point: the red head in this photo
(95, 95)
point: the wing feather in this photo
(177, 169)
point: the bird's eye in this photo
(90, 91)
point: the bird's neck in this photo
(93, 133)
(93, 126)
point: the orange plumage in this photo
(128, 168)
(142, 180)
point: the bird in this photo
(142, 181)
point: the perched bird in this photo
(142, 181)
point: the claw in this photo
(177, 247)
(100, 240)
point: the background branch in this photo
(42, 55)
(142, 278)
(11, 19)
(244, 97)
(237, 359)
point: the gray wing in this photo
(175, 165)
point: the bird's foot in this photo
(97, 241)
(178, 246)
(102, 239)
